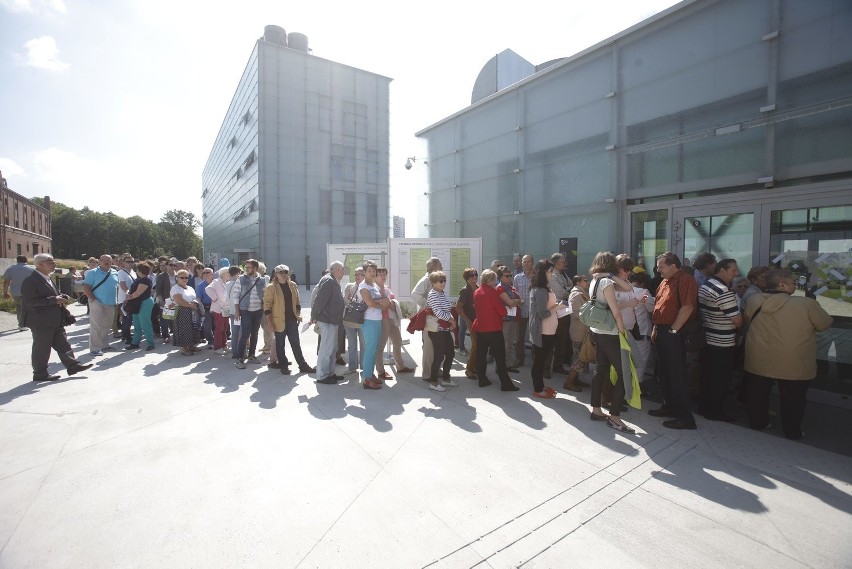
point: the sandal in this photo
(595, 417)
(372, 383)
(544, 395)
(550, 390)
(404, 369)
(622, 428)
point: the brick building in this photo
(25, 226)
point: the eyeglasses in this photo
(183, 277)
(283, 272)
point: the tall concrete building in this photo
(301, 159)
(716, 125)
(398, 226)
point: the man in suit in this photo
(43, 315)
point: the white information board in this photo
(353, 255)
(407, 261)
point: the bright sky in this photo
(115, 104)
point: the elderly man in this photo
(781, 348)
(327, 312)
(13, 277)
(283, 311)
(44, 315)
(419, 294)
(518, 264)
(720, 313)
(674, 306)
(100, 286)
(523, 282)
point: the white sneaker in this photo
(450, 383)
(437, 387)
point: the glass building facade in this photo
(301, 160)
(716, 125)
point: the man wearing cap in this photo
(43, 314)
(13, 277)
(283, 310)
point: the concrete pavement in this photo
(162, 460)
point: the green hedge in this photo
(7, 305)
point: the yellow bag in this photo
(632, 393)
(588, 351)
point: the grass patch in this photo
(8, 305)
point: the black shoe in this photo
(509, 387)
(624, 407)
(513, 370)
(678, 424)
(285, 371)
(337, 377)
(149, 349)
(340, 361)
(108, 349)
(132, 347)
(48, 378)
(484, 383)
(662, 412)
(595, 417)
(78, 368)
(330, 380)
(273, 365)
(307, 369)
(722, 417)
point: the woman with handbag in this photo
(140, 304)
(542, 326)
(376, 301)
(604, 268)
(221, 309)
(354, 334)
(186, 335)
(440, 333)
(578, 332)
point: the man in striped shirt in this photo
(720, 313)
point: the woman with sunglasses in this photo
(376, 301)
(467, 314)
(511, 299)
(186, 335)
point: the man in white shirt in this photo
(126, 276)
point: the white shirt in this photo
(127, 278)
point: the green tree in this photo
(179, 234)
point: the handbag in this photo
(170, 310)
(596, 315)
(588, 350)
(67, 318)
(353, 314)
(133, 306)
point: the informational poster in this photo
(353, 255)
(408, 257)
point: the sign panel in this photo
(407, 261)
(353, 255)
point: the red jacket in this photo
(490, 310)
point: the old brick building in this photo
(25, 226)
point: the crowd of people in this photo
(747, 332)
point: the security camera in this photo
(408, 164)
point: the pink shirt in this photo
(549, 324)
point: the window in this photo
(233, 142)
(372, 213)
(246, 118)
(349, 208)
(325, 208)
(20, 252)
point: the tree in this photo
(179, 234)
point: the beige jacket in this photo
(273, 303)
(781, 339)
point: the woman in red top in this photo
(488, 326)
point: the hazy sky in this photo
(115, 104)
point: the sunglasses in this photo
(283, 272)
(183, 277)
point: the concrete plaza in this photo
(162, 460)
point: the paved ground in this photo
(163, 460)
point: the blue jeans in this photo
(291, 333)
(142, 323)
(354, 338)
(327, 349)
(249, 326)
(372, 332)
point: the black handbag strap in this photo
(102, 282)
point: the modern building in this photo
(716, 125)
(398, 226)
(301, 159)
(25, 227)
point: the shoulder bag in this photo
(595, 314)
(353, 314)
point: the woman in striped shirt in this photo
(441, 337)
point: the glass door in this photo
(728, 233)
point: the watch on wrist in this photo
(672, 330)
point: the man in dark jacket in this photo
(43, 315)
(327, 312)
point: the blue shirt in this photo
(16, 275)
(105, 294)
(201, 293)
